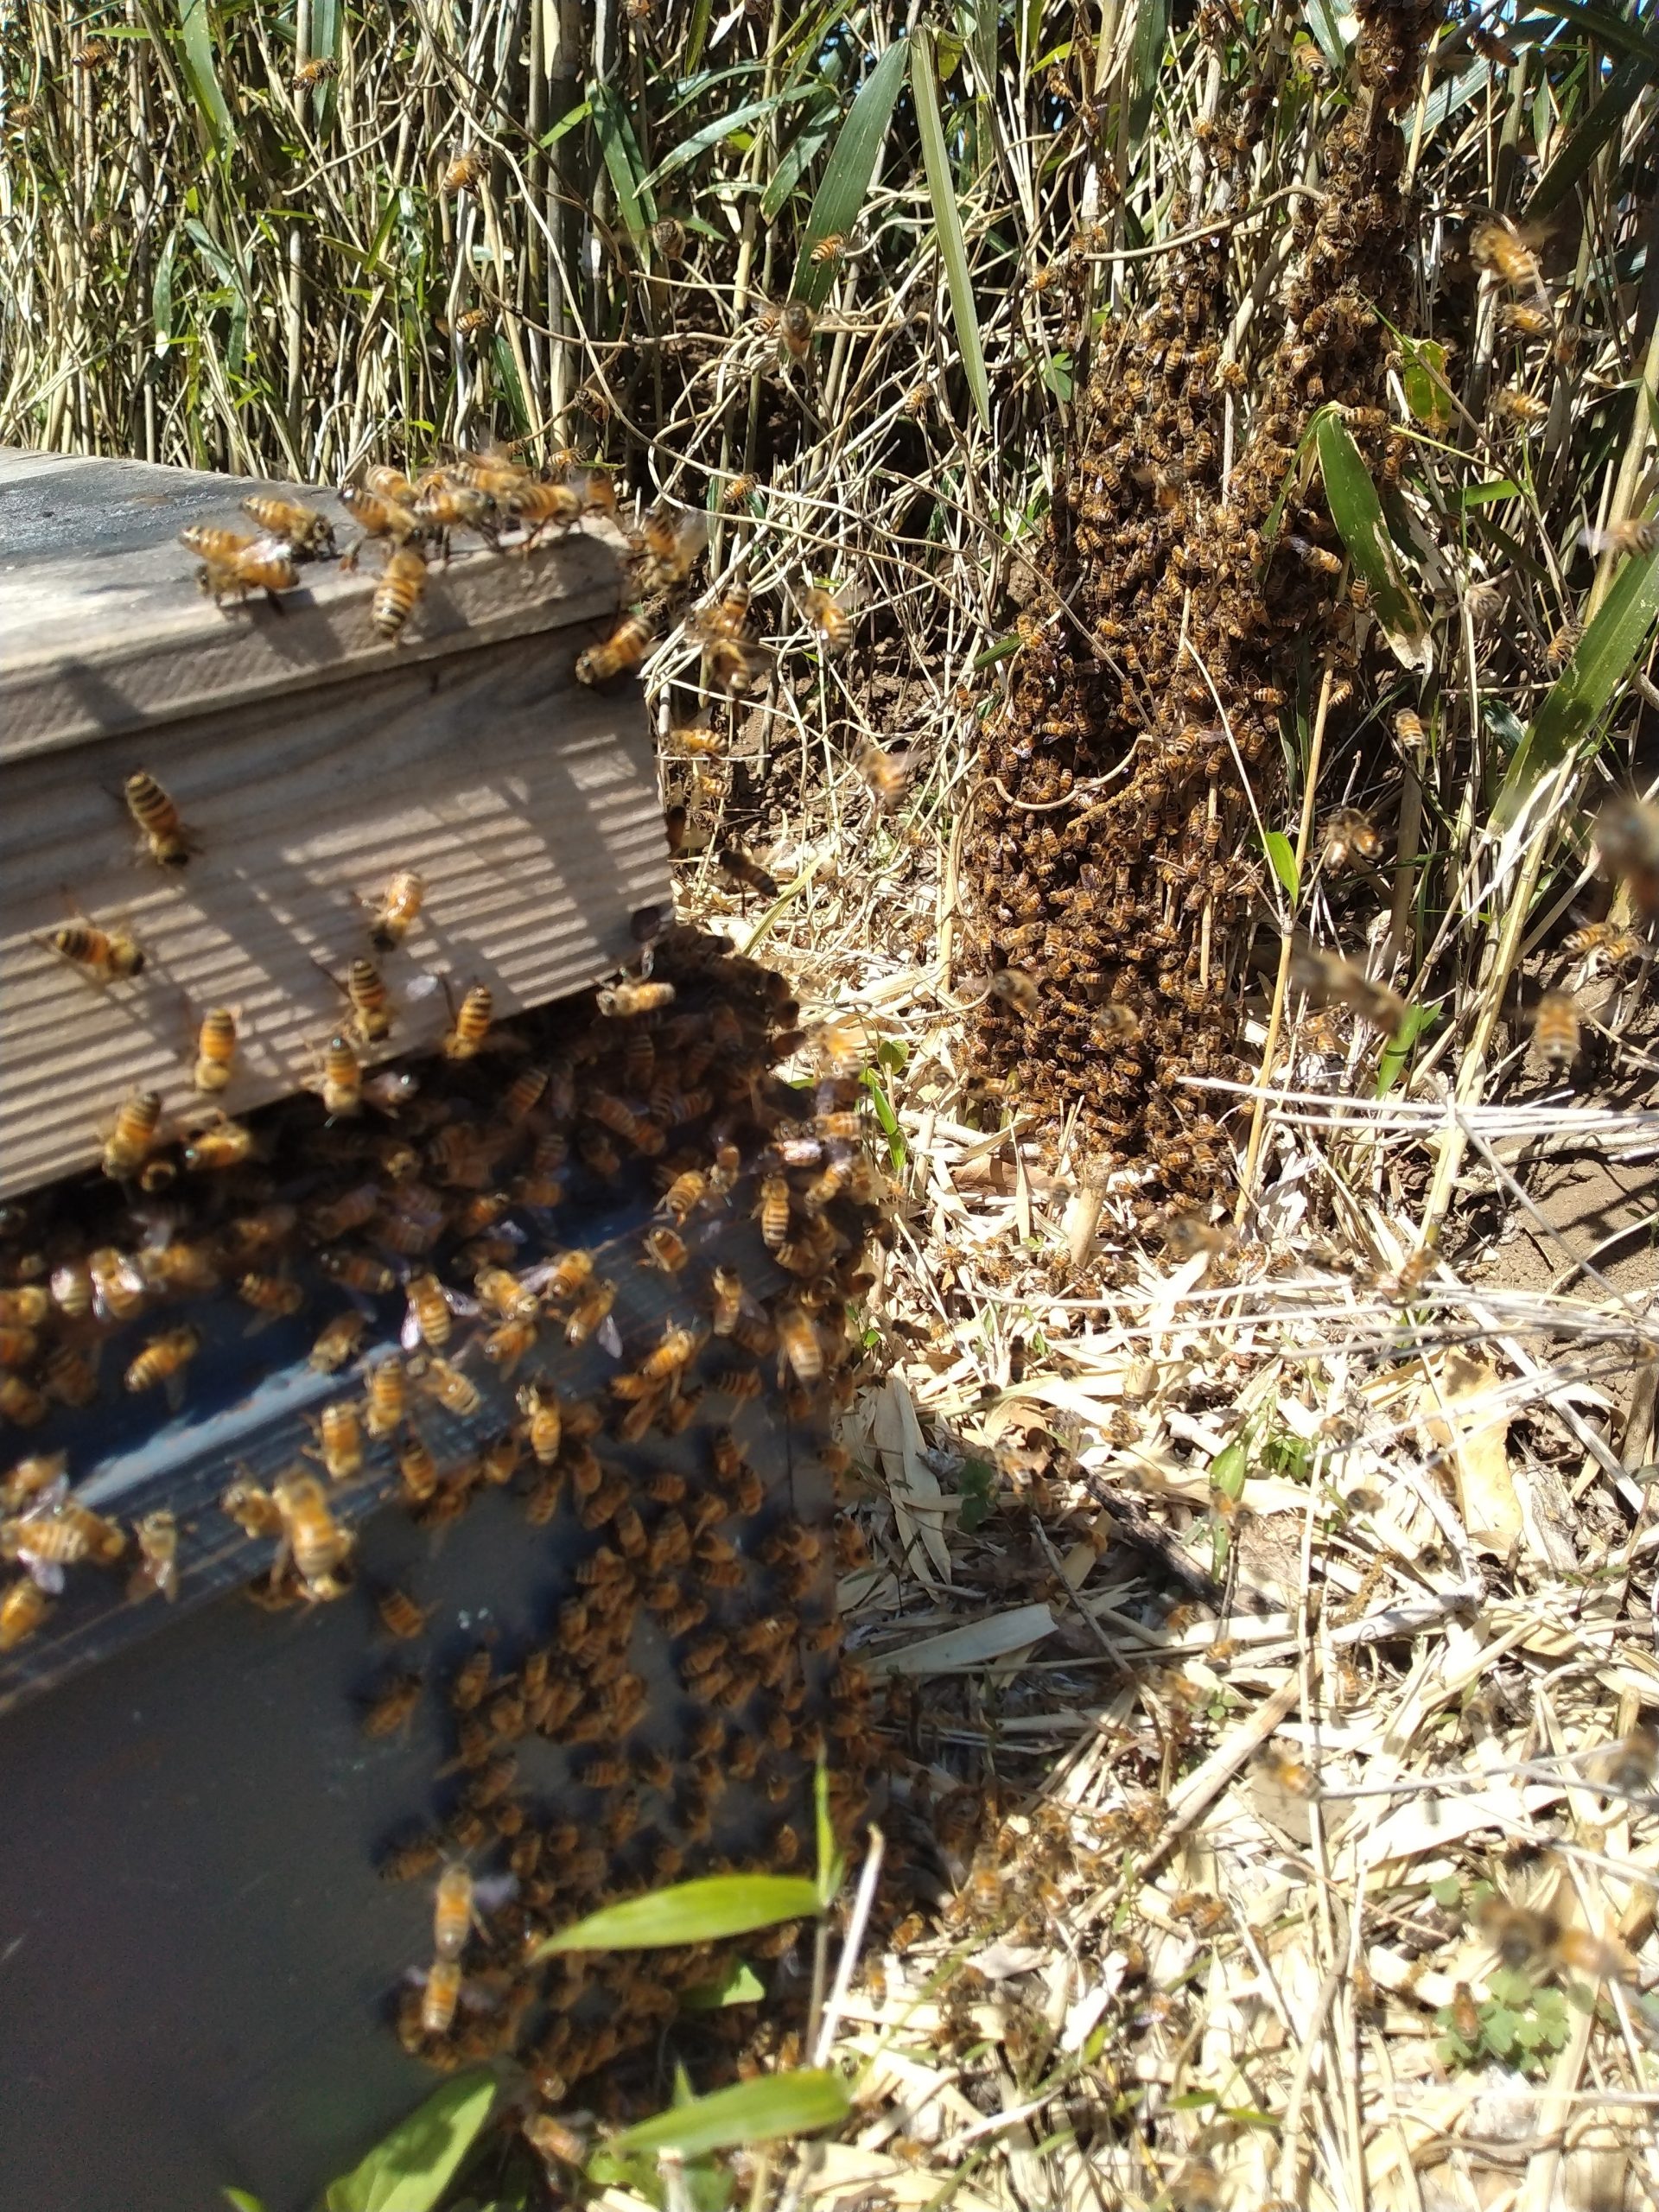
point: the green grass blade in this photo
(325, 40)
(1357, 513)
(244, 2200)
(1617, 96)
(751, 2112)
(196, 37)
(839, 199)
(712, 133)
(941, 191)
(411, 2169)
(1146, 59)
(621, 151)
(1605, 653)
(691, 1912)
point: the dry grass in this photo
(1299, 1588)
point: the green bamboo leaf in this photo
(839, 200)
(1392, 1059)
(691, 1912)
(1423, 377)
(802, 149)
(713, 133)
(701, 12)
(750, 2112)
(738, 1985)
(621, 151)
(1282, 855)
(1230, 1468)
(1607, 650)
(244, 2200)
(1322, 21)
(162, 293)
(325, 42)
(410, 2170)
(1146, 58)
(941, 191)
(1595, 129)
(1612, 30)
(196, 37)
(1358, 514)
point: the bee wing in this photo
(410, 1335)
(47, 1575)
(610, 1336)
(458, 1302)
(493, 1889)
(423, 986)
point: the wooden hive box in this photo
(198, 1956)
(310, 760)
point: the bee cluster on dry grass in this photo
(439, 1188)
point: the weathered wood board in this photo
(312, 765)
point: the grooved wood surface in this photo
(103, 629)
(528, 803)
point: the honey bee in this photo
(1499, 248)
(398, 1613)
(800, 1346)
(370, 1002)
(737, 666)
(111, 955)
(671, 544)
(1290, 1773)
(453, 1911)
(164, 1360)
(440, 1996)
(219, 1144)
(740, 490)
(342, 1080)
(309, 74)
(401, 581)
(313, 1539)
(624, 650)
(252, 1509)
(626, 1001)
(134, 1134)
(735, 865)
(1326, 977)
(169, 842)
(539, 507)
(1188, 1234)
(215, 1051)
(396, 910)
(380, 514)
(390, 1711)
(1607, 941)
(1316, 557)
(1628, 536)
(828, 618)
(386, 1397)
(339, 1441)
(685, 1194)
(1345, 832)
(1016, 990)
(233, 563)
(452, 1389)
(471, 1025)
(795, 328)
(887, 775)
(1523, 1938)
(592, 1310)
(1627, 837)
(273, 1298)
(464, 174)
(157, 1534)
(1520, 407)
(1526, 321)
(24, 1607)
(1555, 1028)
(307, 535)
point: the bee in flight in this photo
(624, 649)
(671, 543)
(829, 619)
(1622, 538)
(309, 74)
(1556, 1029)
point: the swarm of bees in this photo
(1113, 852)
(426, 1259)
